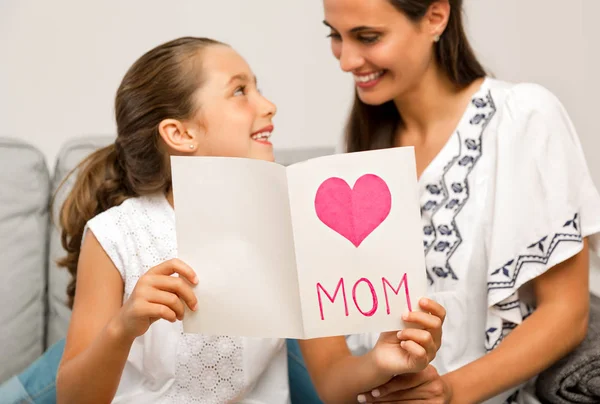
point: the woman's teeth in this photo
(368, 77)
(261, 136)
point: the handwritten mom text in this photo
(384, 287)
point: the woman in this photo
(508, 206)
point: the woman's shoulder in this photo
(529, 114)
(522, 99)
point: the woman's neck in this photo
(433, 100)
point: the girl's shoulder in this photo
(135, 228)
(134, 211)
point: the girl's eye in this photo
(241, 90)
(335, 36)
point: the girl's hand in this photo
(411, 350)
(158, 295)
(426, 386)
(431, 319)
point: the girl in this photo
(508, 205)
(190, 96)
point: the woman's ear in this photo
(437, 17)
(177, 137)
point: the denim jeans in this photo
(36, 385)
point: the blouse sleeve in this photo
(544, 204)
(106, 229)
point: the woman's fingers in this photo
(424, 385)
(399, 383)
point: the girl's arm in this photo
(554, 329)
(102, 329)
(96, 349)
(339, 377)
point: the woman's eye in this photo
(368, 39)
(334, 35)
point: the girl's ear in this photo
(177, 137)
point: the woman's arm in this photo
(339, 377)
(554, 329)
(95, 350)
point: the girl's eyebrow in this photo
(242, 77)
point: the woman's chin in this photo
(373, 98)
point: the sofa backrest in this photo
(24, 191)
(70, 155)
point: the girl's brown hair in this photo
(372, 127)
(159, 85)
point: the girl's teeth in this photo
(260, 136)
(370, 77)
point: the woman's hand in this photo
(411, 350)
(158, 295)
(426, 386)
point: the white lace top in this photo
(165, 365)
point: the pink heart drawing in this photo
(353, 213)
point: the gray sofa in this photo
(33, 310)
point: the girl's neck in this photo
(169, 196)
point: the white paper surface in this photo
(393, 249)
(233, 227)
(269, 266)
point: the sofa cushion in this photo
(24, 185)
(71, 154)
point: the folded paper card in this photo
(329, 246)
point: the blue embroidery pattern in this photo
(444, 199)
(507, 275)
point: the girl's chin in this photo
(263, 155)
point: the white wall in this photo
(61, 61)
